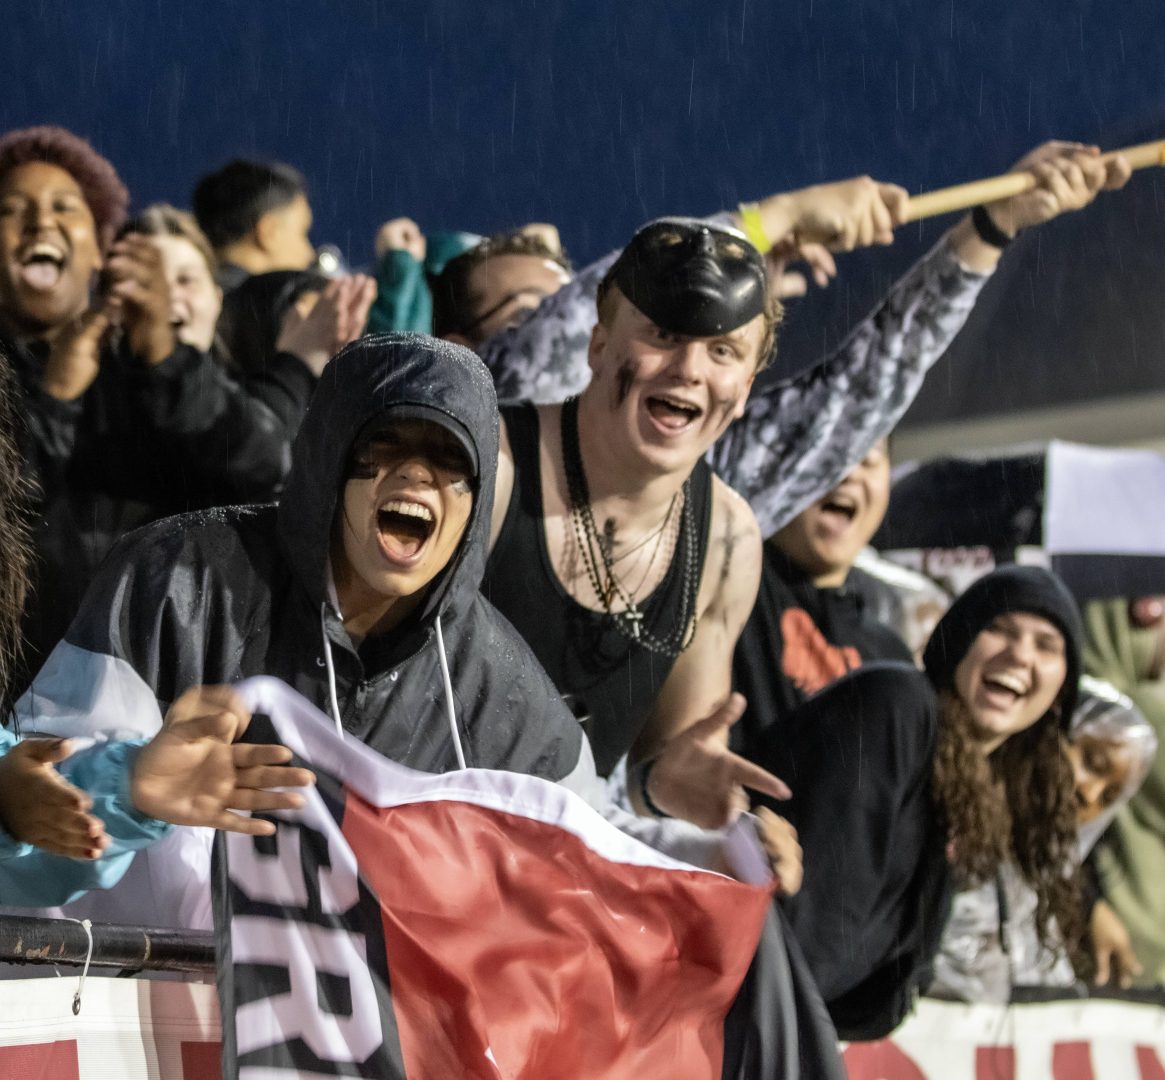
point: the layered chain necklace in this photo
(598, 559)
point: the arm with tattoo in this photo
(693, 773)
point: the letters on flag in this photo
(471, 924)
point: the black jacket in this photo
(223, 594)
(142, 442)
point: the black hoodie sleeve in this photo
(50, 427)
(227, 439)
(285, 387)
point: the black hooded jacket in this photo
(141, 443)
(223, 594)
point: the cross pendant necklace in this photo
(633, 616)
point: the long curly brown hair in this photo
(1016, 804)
(15, 549)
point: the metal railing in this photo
(130, 949)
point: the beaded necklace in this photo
(630, 621)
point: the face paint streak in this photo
(624, 378)
(726, 411)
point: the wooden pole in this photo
(964, 196)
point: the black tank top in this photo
(606, 678)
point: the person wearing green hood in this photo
(1125, 644)
(405, 259)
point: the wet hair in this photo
(104, 193)
(452, 298)
(1016, 804)
(229, 203)
(609, 292)
(162, 219)
(15, 547)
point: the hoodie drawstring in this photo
(335, 701)
(450, 710)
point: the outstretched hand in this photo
(38, 806)
(696, 777)
(193, 773)
(1112, 948)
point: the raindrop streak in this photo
(691, 86)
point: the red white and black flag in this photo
(475, 924)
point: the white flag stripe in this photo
(313, 737)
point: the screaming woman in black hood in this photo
(357, 589)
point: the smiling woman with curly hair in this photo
(909, 788)
(1006, 662)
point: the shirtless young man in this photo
(628, 566)
(582, 567)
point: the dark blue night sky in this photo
(594, 115)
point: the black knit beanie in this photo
(1028, 589)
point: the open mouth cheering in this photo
(405, 526)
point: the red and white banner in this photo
(476, 923)
(1063, 1040)
(127, 1029)
(133, 1029)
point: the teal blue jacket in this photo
(403, 301)
(30, 877)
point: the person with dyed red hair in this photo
(123, 422)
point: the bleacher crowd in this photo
(644, 576)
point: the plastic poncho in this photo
(1131, 858)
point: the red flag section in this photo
(477, 924)
(516, 950)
